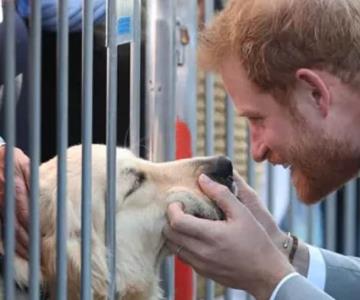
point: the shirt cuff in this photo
(281, 283)
(317, 268)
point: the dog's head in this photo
(143, 183)
(144, 189)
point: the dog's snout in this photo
(220, 169)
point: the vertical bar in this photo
(209, 91)
(10, 129)
(230, 125)
(209, 289)
(160, 97)
(62, 143)
(111, 113)
(186, 116)
(135, 81)
(167, 273)
(290, 214)
(160, 79)
(86, 176)
(350, 218)
(35, 123)
(270, 194)
(270, 186)
(310, 224)
(186, 66)
(330, 222)
(209, 114)
(250, 162)
(251, 178)
(209, 119)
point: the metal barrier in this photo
(9, 103)
(170, 95)
(160, 87)
(35, 121)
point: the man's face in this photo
(319, 163)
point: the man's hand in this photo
(237, 252)
(251, 200)
(21, 180)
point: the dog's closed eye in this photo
(139, 178)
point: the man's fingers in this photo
(22, 251)
(22, 210)
(185, 223)
(22, 241)
(186, 256)
(243, 189)
(22, 235)
(22, 166)
(25, 171)
(22, 176)
(247, 195)
(183, 239)
(188, 245)
(222, 196)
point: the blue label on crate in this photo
(124, 25)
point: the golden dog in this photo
(143, 191)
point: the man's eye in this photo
(256, 119)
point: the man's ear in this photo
(319, 90)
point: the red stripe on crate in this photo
(183, 273)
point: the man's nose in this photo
(220, 169)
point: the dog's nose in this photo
(220, 169)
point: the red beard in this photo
(319, 165)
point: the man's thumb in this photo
(219, 193)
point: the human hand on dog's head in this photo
(21, 181)
(236, 252)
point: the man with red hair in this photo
(292, 69)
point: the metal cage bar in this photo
(330, 222)
(250, 172)
(135, 115)
(290, 213)
(10, 129)
(310, 225)
(160, 89)
(160, 79)
(35, 123)
(209, 119)
(209, 92)
(86, 176)
(62, 144)
(350, 218)
(111, 112)
(230, 135)
(186, 104)
(270, 187)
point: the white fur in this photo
(140, 219)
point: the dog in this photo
(143, 191)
